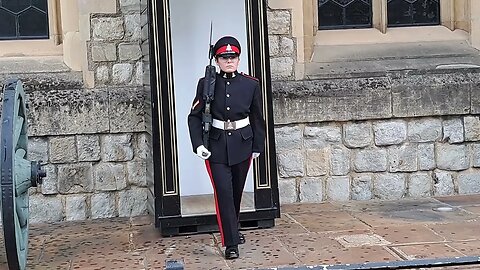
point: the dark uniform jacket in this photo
(235, 98)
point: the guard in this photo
(237, 136)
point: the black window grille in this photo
(23, 19)
(413, 12)
(342, 14)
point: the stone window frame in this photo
(39, 47)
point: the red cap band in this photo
(227, 49)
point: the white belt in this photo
(228, 125)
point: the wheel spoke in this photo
(19, 121)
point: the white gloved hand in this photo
(203, 152)
(255, 155)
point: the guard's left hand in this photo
(255, 155)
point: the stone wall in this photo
(282, 44)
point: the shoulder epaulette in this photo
(248, 76)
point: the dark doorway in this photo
(343, 14)
(413, 12)
(23, 19)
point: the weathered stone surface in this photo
(76, 208)
(435, 94)
(45, 209)
(389, 186)
(331, 100)
(117, 147)
(402, 158)
(137, 173)
(476, 155)
(278, 22)
(287, 138)
(138, 75)
(357, 135)
(472, 128)
(390, 132)
(317, 162)
(452, 157)
(338, 188)
(106, 52)
(340, 160)
(453, 131)
(129, 51)
(287, 190)
(88, 147)
(370, 160)
(132, 202)
(286, 46)
(426, 156)
(311, 190)
(102, 205)
(291, 164)
(37, 149)
(362, 187)
(75, 178)
(62, 112)
(122, 73)
(63, 150)
(274, 45)
(49, 183)
(129, 5)
(424, 130)
(319, 137)
(282, 67)
(144, 148)
(443, 183)
(103, 74)
(133, 29)
(469, 182)
(127, 110)
(107, 28)
(420, 185)
(110, 176)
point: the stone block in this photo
(129, 5)
(63, 150)
(370, 160)
(45, 209)
(362, 186)
(338, 188)
(402, 158)
(291, 164)
(426, 156)
(472, 128)
(453, 131)
(137, 79)
(443, 183)
(129, 51)
(102, 205)
(317, 162)
(144, 148)
(476, 155)
(452, 157)
(76, 208)
(102, 74)
(117, 147)
(289, 137)
(110, 176)
(274, 45)
(49, 184)
(104, 52)
(340, 161)
(424, 130)
(331, 100)
(122, 73)
(137, 173)
(279, 22)
(286, 46)
(358, 135)
(62, 112)
(127, 110)
(107, 28)
(319, 137)
(37, 149)
(88, 147)
(133, 29)
(287, 190)
(420, 185)
(390, 132)
(311, 190)
(132, 202)
(389, 186)
(468, 182)
(282, 67)
(75, 178)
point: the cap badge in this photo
(229, 48)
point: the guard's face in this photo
(228, 64)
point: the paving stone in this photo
(309, 207)
(470, 248)
(451, 231)
(460, 200)
(428, 251)
(321, 222)
(407, 234)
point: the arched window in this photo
(341, 14)
(23, 19)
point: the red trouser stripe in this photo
(219, 219)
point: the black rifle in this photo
(208, 92)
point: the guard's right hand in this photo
(203, 152)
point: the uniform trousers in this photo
(228, 183)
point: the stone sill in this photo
(32, 64)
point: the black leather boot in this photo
(231, 252)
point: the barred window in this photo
(342, 14)
(23, 19)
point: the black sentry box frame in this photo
(168, 216)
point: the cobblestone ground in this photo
(306, 234)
